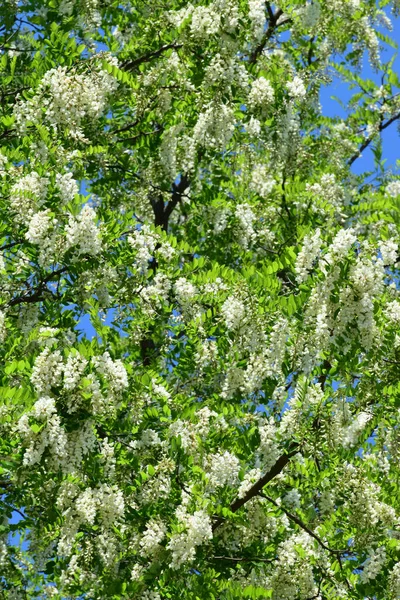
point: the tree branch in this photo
(303, 526)
(129, 65)
(36, 295)
(273, 24)
(258, 486)
(244, 559)
(368, 141)
(162, 212)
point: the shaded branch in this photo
(37, 294)
(272, 26)
(303, 526)
(162, 211)
(128, 65)
(243, 559)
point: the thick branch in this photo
(162, 212)
(258, 486)
(272, 25)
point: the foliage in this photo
(231, 428)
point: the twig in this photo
(131, 64)
(368, 141)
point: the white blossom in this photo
(261, 93)
(82, 233)
(354, 430)
(67, 186)
(389, 250)
(261, 181)
(183, 545)
(113, 371)
(152, 536)
(224, 469)
(205, 22)
(392, 312)
(393, 188)
(233, 311)
(257, 16)
(27, 194)
(296, 88)
(374, 564)
(67, 98)
(47, 370)
(308, 254)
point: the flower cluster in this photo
(28, 194)
(183, 545)
(82, 233)
(224, 469)
(308, 254)
(67, 99)
(233, 311)
(374, 563)
(215, 126)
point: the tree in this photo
(231, 427)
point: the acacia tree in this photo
(230, 430)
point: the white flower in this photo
(65, 98)
(246, 218)
(296, 88)
(144, 241)
(392, 312)
(113, 372)
(224, 469)
(67, 186)
(253, 127)
(308, 254)
(86, 506)
(261, 182)
(394, 579)
(43, 408)
(3, 329)
(3, 162)
(205, 22)
(184, 291)
(261, 93)
(257, 16)
(73, 370)
(233, 311)
(152, 536)
(183, 545)
(39, 227)
(341, 244)
(373, 565)
(27, 194)
(354, 430)
(389, 250)
(215, 126)
(292, 498)
(393, 188)
(82, 233)
(310, 15)
(47, 370)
